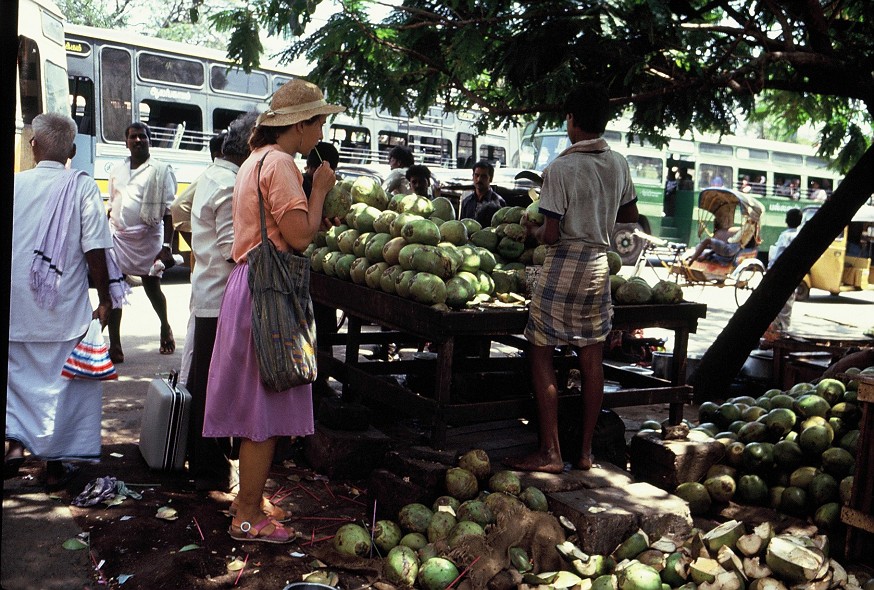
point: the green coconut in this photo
(436, 574)
(461, 483)
(352, 539)
(505, 481)
(415, 518)
(401, 566)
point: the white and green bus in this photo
(781, 175)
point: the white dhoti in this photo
(55, 418)
(135, 248)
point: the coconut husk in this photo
(358, 566)
(536, 532)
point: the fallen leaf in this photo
(126, 517)
(122, 578)
(74, 544)
(117, 456)
(190, 547)
(297, 554)
(115, 500)
(167, 513)
(293, 477)
(235, 565)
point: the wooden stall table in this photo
(835, 342)
(424, 323)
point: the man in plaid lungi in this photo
(586, 190)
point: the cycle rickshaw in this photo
(717, 207)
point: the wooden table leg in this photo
(442, 383)
(353, 343)
(678, 371)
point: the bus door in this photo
(679, 198)
(82, 111)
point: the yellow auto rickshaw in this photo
(846, 264)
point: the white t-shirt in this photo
(88, 231)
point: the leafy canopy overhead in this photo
(692, 65)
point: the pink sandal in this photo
(247, 531)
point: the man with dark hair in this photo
(141, 190)
(399, 159)
(586, 190)
(421, 181)
(482, 203)
(781, 322)
(323, 152)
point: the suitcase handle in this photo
(173, 378)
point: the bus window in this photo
(56, 89)
(716, 149)
(353, 143)
(115, 91)
(387, 140)
(819, 188)
(432, 150)
(222, 118)
(278, 81)
(494, 154)
(784, 158)
(174, 125)
(786, 185)
(714, 174)
(465, 150)
(82, 103)
(612, 136)
(169, 70)
(29, 79)
(751, 181)
(224, 79)
(645, 168)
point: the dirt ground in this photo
(139, 550)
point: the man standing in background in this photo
(482, 203)
(141, 190)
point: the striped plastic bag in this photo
(90, 358)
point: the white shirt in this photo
(126, 190)
(212, 236)
(88, 231)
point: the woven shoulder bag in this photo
(283, 325)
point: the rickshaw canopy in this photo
(720, 201)
(865, 214)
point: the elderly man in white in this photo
(59, 238)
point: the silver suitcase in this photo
(164, 427)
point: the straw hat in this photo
(296, 101)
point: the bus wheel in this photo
(802, 291)
(625, 243)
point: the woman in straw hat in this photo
(237, 403)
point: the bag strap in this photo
(261, 212)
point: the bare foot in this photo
(539, 461)
(585, 462)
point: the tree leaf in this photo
(74, 544)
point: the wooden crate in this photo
(859, 515)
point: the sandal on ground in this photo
(70, 471)
(168, 344)
(247, 531)
(269, 508)
(11, 466)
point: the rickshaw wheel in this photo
(625, 243)
(747, 281)
(802, 291)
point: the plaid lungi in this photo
(571, 299)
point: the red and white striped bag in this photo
(90, 358)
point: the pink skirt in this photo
(237, 403)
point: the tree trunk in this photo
(725, 357)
